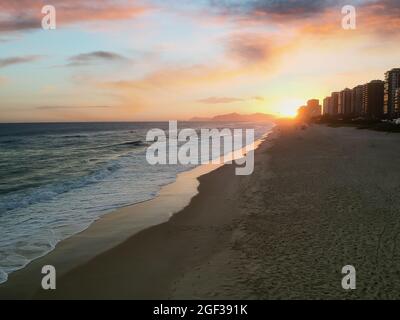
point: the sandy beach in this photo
(319, 199)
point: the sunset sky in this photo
(175, 59)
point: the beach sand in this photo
(319, 199)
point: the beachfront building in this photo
(312, 110)
(345, 102)
(373, 100)
(314, 107)
(357, 97)
(327, 106)
(335, 103)
(392, 82)
(397, 100)
(313, 103)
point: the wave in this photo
(28, 197)
(75, 136)
(33, 221)
(10, 141)
(136, 143)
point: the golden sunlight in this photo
(288, 107)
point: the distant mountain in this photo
(236, 117)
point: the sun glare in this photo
(288, 107)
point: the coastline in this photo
(111, 230)
(107, 232)
(173, 253)
(319, 199)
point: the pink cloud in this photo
(26, 14)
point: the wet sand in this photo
(319, 199)
(104, 234)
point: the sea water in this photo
(56, 179)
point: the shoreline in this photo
(320, 198)
(111, 230)
(215, 183)
(106, 233)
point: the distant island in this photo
(236, 117)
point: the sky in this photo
(128, 60)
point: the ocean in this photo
(58, 178)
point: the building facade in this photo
(373, 100)
(345, 102)
(314, 107)
(310, 111)
(397, 101)
(392, 82)
(335, 103)
(357, 98)
(327, 108)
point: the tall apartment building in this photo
(397, 100)
(357, 98)
(373, 101)
(392, 82)
(335, 103)
(314, 107)
(311, 110)
(345, 102)
(327, 108)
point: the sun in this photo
(288, 107)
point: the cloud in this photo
(249, 48)
(71, 107)
(222, 100)
(67, 12)
(89, 58)
(274, 9)
(18, 23)
(177, 77)
(169, 85)
(173, 83)
(313, 17)
(219, 100)
(5, 62)
(381, 17)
